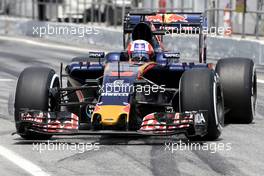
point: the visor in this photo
(140, 56)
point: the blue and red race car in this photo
(143, 90)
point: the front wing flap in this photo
(192, 123)
(49, 122)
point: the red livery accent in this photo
(166, 122)
(175, 18)
(50, 121)
(122, 73)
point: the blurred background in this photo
(244, 16)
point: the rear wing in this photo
(167, 23)
(170, 23)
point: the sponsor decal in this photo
(115, 94)
(139, 47)
(96, 54)
(175, 18)
(171, 55)
(199, 119)
(168, 18)
(155, 18)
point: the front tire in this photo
(200, 90)
(32, 93)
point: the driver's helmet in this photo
(140, 51)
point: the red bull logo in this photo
(175, 18)
(155, 18)
(168, 18)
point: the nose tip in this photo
(110, 115)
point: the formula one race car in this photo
(143, 90)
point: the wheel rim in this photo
(51, 100)
(218, 105)
(220, 111)
(254, 93)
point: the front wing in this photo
(154, 124)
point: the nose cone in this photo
(110, 114)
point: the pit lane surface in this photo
(115, 155)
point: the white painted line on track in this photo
(6, 80)
(24, 164)
(260, 81)
(47, 45)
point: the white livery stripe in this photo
(41, 44)
(260, 81)
(6, 80)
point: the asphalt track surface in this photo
(239, 152)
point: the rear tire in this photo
(238, 78)
(32, 92)
(200, 90)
